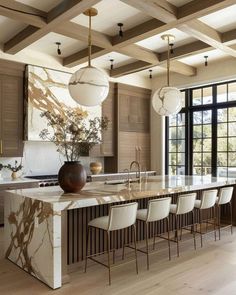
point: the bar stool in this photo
(184, 205)
(207, 201)
(120, 217)
(224, 198)
(157, 210)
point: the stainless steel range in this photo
(45, 180)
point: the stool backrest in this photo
(122, 216)
(225, 195)
(158, 209)
(185, 203)
(208, 199)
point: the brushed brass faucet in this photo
(136, 163)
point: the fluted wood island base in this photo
(45, 229)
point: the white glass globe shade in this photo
(166, 101)
(89, 86)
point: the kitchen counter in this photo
(39, 227)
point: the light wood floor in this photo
(210, 270)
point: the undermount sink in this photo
(121, 181)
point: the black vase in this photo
(72, 177)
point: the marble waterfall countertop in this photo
(36, 229)
(99, 193)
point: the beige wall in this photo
(215, 72)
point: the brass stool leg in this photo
(193, 230)
(108, 256)
(177, 234)
(200, 221)
(87, 243)
(154, 236)
(113, 247)
(135, 247)
(214, 218)
(231, 216)
(219, 220)
(168, 232)
(147, 233)
(207, 219)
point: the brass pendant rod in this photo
(168, 63)
(89, 41)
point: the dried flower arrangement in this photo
(72, 134)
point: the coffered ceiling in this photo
(201, 27)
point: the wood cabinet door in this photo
(134, 109)
(11, 120)
(144, 152)
(106, 148)
(127, 149)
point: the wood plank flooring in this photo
(210, 270)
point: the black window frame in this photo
(188, 110)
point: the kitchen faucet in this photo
(139, 169)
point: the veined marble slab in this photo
(33, 216)
(98, 193)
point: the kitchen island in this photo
(45, 229)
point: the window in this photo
(177, 144)
(201, 140)
(226, 142)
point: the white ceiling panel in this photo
(47, 45)
(198, 59)
(109, 14)
(157, 44)
(222, 20)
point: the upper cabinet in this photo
(134, 108)
(106, 148)
(132, 129)
(11, 113)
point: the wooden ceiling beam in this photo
(208, 35)
(190, 11)
(81, 56)
(176, 66)
(186, 50)
(199, 8)
(78, 32)
(63, 12)
(130, 68)
(159, 9)
(181, 68)
(23, 13)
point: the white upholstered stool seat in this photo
(207, 201)
(158, 209)
(120, 217)
(100, 222)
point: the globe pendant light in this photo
(89, 86)
(166, 101)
